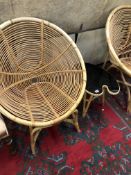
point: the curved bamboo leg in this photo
(103, 100)
(74, 120)
(125, 83)
(34, 133)
(129, 100)
(128, 85)
(86, 103)
(110, 67)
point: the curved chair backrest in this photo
(35, 52)
(118, 33)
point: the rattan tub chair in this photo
(43, 76)
(118, 33)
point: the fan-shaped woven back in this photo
(118, 32)
(43, 77)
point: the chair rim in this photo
(111, 48)
(72, 109)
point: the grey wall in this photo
(69, 15)
(93, 46)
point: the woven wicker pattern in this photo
(43, 77)
(118, 30)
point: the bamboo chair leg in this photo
(125, 83)
(106, 58)
(103, 100)
(86, 104)
(74, 120)
(128, 86)
(110, 67)
(34, 133)
(129, 100)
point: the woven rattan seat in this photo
(118, 33)
(43, 77)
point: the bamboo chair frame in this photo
(118, 34)
(42, 74)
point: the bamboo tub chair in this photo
(42, 77)
(118, 34)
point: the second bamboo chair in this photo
(118, 33)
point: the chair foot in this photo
(6, 141)
(129, 107)
(129, 99)
(127, 84)
(74, 120)
(13, 147)
(34, 133)
(86, 104)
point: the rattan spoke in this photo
(63, 93)
(28, 106)
(48, 103)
